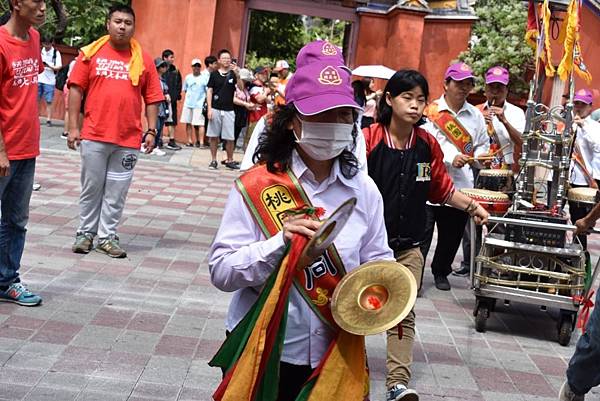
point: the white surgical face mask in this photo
(325, 141)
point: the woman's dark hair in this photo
(401, 81)
(359, 92)
(367, 85)
(276, 144)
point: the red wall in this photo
(228, 26)
(184, 26)
(443, 41)
(590, 35)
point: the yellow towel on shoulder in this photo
(136, 64)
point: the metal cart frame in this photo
(488, 293)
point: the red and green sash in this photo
(451, 128)
(578, 159)
(498, 160)
(251, 354)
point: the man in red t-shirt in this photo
(20, 64)
(115, 75)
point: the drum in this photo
(494, 202)
(498, 180)
(583, 197)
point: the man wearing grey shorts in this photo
(115, 78)
(221, 117)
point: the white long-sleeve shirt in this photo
(472, 120)
(241, 259)
(516, 118)
(588, 140)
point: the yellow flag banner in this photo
(547, 51)
(572, 58)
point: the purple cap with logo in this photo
(319, 50)
(320, 86)
(459, 72)
(583, 95)
(497, 74)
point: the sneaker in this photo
(158, 152)
(400, 393)
(462, 272)
(224, 162)
(110, 246)
(83, 243)
(566, 394)
(64, 135)
(213, 165)
(19, 294)
(441, 283)
(232, 165)
(173, 145)
(36, 186)
(143, 148)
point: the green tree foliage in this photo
(499, 40)
(86, 20)
(275, 36)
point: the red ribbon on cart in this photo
(585, 313)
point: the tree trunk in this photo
(61, 22)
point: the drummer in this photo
(460, 129)
(585, 164)
(311, 139)
(505, 124)
(406, 163)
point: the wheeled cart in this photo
(521, 271)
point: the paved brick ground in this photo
(144, 327)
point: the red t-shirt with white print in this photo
(20, 64)
(113, 106)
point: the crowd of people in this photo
(302, 134)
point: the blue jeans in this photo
(584, 369)
(15, 193)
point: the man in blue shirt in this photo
(194, 87)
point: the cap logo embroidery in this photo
(464, 67)
(329, 49)
(497, 71)
(330, 76)
(581, 92)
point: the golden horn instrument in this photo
(374, 297)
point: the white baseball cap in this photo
(281, 65)
(196, 61)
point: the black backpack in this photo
(61, 77)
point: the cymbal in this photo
(374, 297)
(326, 234)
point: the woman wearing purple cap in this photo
(304, 160)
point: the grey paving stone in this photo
(165, 370)
(97, 337)
(51, 394)
(451, 376)
(136, 341)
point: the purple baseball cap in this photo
(320, 86)
(583, 95)
(319, 50)
(497, 74)
(459, 72)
